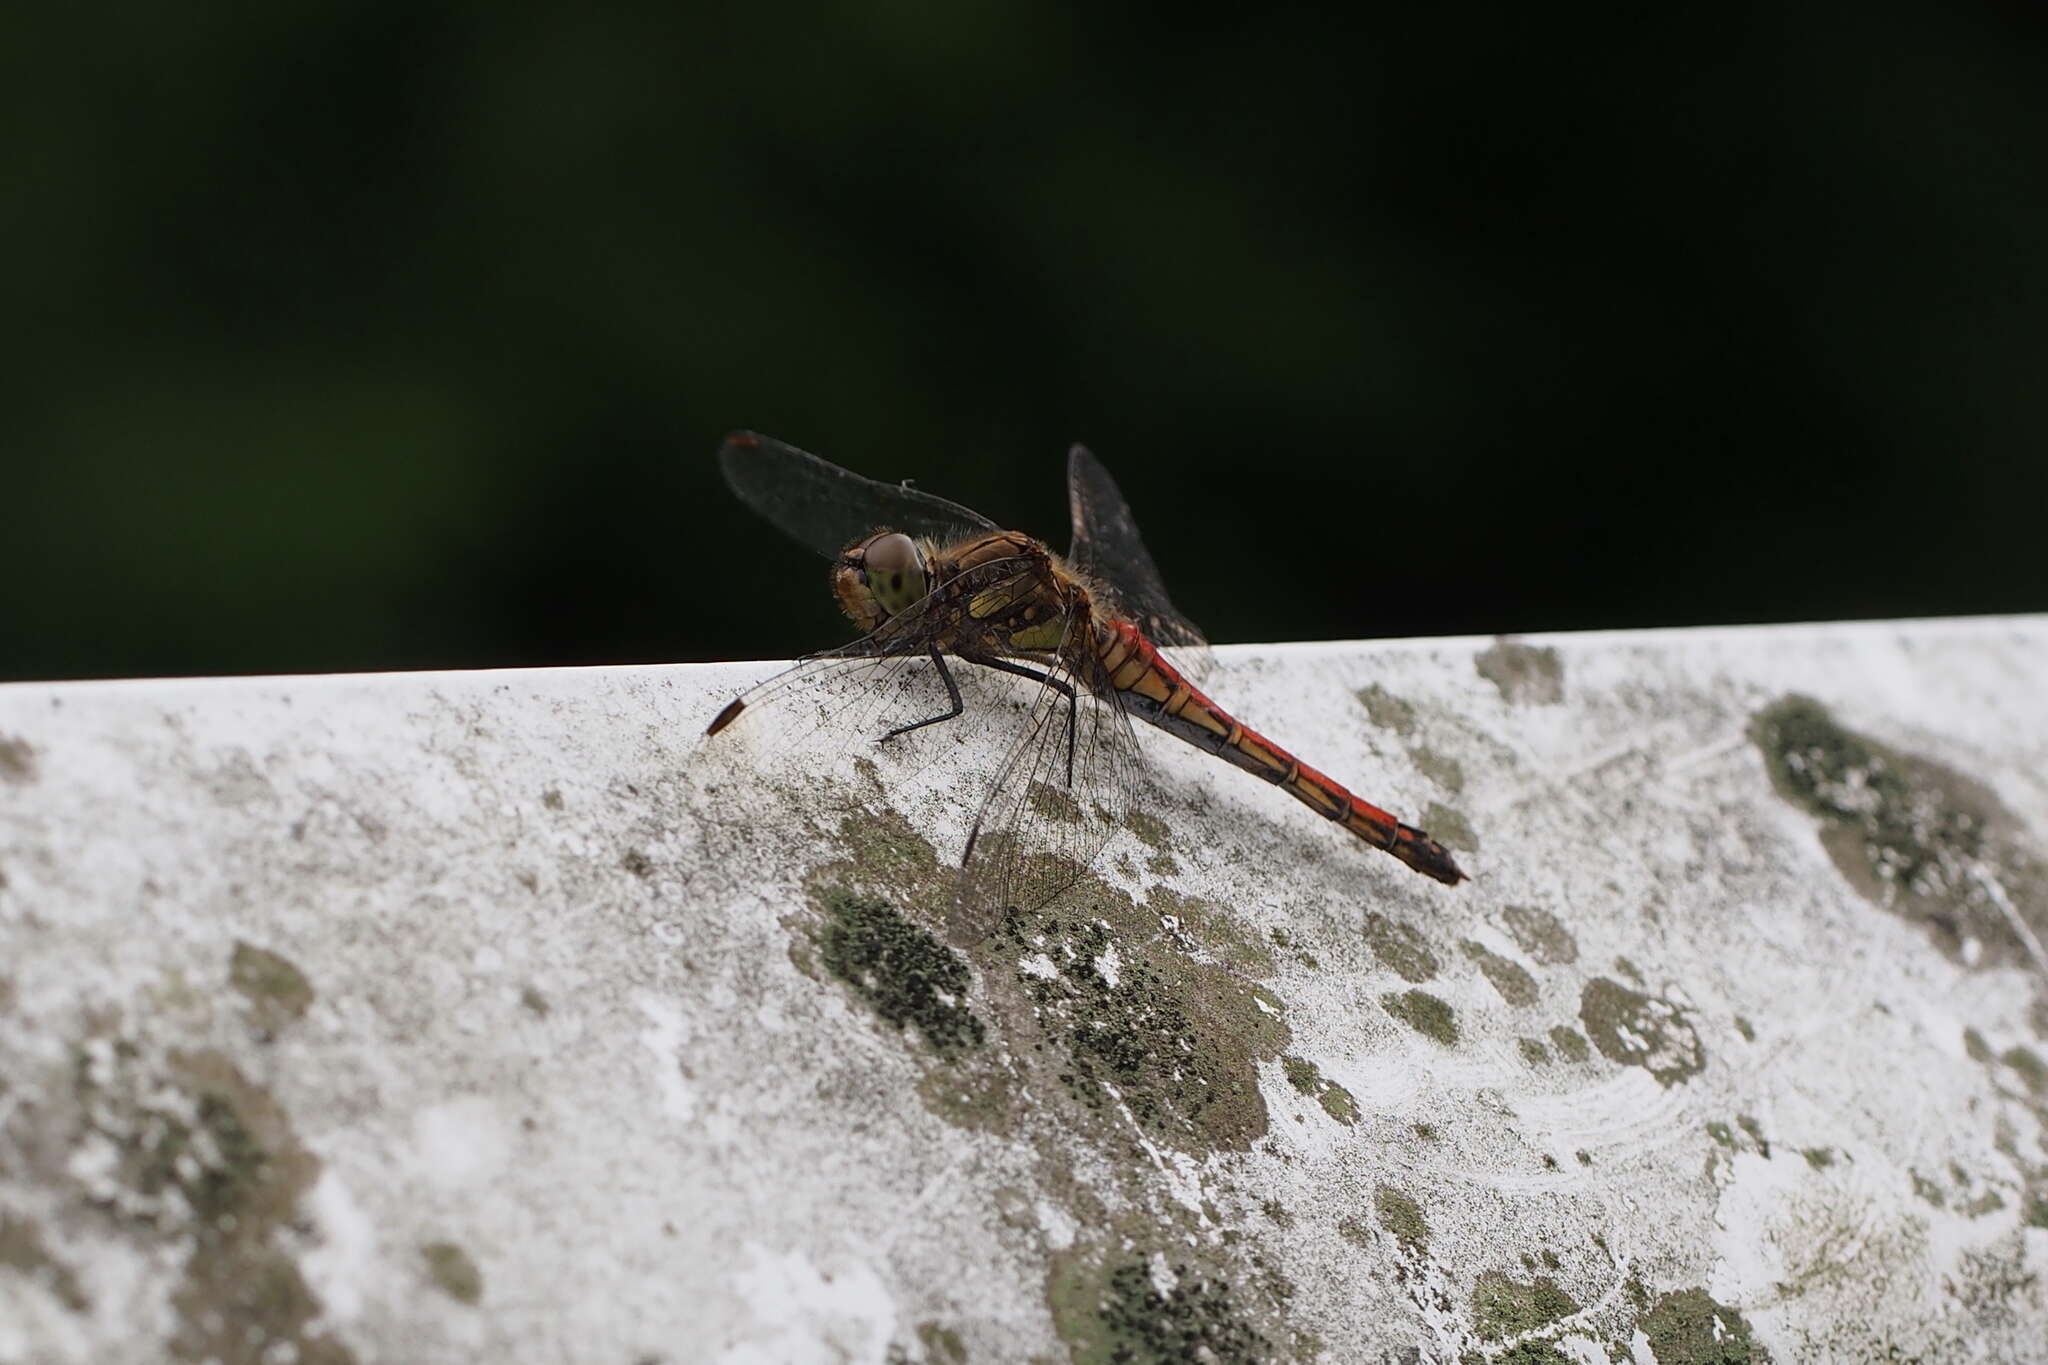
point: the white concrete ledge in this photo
(443, 1017)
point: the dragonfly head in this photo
(878, 576)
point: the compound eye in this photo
(895, 571)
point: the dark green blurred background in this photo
(357, 335)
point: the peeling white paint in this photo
(664, 1037)
(803, 1312)
(461, 1143)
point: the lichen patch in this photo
(452, 1271)
(22, 1251)
(1441, 769)
(1141, 1014)
(192, 1149)
(1388, 711)
(1168, 1039)
(1925, 842)
(1541, 935)
(1527, 675)
(898, 970)
(1636, 1029)
(17, 760)
(1449, 828)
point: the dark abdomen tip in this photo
(1426, 856)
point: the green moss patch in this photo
(1400, 947)
(1129, 1314)
(1756, 1133)
(900, 971)
(1402, 1217)
(1635, 1029)
(1503, 1308)
(1509, 978)
(1537, 1352)
(1054, 804)
(2035, 1211)
(1337, 1102)
(1689, 1328)
(889, 856)
(1149, 829)
(1426, 1014)
(1214, 928)
(1916, 838)
(1570, 1044)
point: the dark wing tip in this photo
(739, 443)
(726, 717)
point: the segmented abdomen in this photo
(1155, 691)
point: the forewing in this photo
(1048, 816)
(827, 508)
(829, 706)
(846, 698)
(1108, 549)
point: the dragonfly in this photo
(931, 584)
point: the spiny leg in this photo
(1065, 688)
(952, 694)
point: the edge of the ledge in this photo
(1932, 626)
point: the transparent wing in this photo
(830, 706)
(1060, 790)
(865, 688)
(820, 505)
(1064, 789)
(1109, 550)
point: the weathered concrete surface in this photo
(486, 1016)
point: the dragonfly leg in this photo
(1065, 688)
(952, 694)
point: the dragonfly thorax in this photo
(879, 576)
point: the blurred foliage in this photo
(362, 335)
